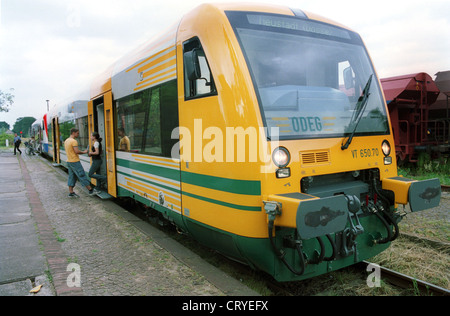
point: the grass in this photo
(425, 168)
(58, 238)
(417, 260)
(421, 225)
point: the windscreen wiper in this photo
(359, 111)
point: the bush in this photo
(4, 137)
(426, 168)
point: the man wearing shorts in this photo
(76, 171)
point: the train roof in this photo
(71, 108)
(405, 87)
(167, 39)
(37, 122)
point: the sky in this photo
(52, 49)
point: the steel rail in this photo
(405, 281)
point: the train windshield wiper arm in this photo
(359, 111)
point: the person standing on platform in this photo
(17, 142)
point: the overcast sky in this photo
(52, 49)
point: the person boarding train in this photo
(74, 166)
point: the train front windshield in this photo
(308, 76)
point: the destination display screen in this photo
(296, 24)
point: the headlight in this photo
(386, 148)
(281, 157)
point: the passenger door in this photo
(100, 119)
(57, 142)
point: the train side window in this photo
(198, 78)
(131, 116)
(145, 120)
(152, 141)
(64, 131)
(50, 133)
(83, 139)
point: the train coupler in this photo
(346, 240)
(346, 243)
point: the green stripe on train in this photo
(222, 203)
(245, 187)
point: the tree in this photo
(6, 100)
(4, 125)
(23, 125)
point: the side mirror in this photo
(192, 64)
(348, 78)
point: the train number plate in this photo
(365, 153)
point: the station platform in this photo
(87, 246)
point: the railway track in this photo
(397, 279)
(405, 281)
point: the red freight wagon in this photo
(410, 99)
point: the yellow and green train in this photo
(259, 130)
